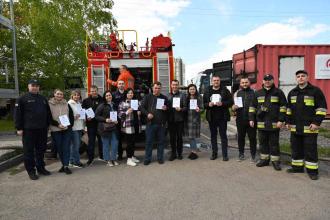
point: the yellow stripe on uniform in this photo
(283, 109)
(261, 125)
(311, 165)
(308, 131)
(298, 163)
(274, 158)
(288, 111)
(252, 109)
(264, 156)
(321, 111)
(274, 99)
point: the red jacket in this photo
(127, 77)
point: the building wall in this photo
(180, 71)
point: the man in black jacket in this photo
(306, 110)
(176, 120)
(93, 101)
(244, 97)
(118, 97)
(32, 118)
(154, 107)
(268, 109)
(217, 101)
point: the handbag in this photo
(109, 126)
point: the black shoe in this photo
(172, 157)
(180, 157)
(262, 163)
(313, 176)
(241, 158)
(89, 162)
(225, 158)
(33, 175)
(295, 170)
(43, 171)
(61, 170)
(214, 156)
(193, 156)
(277, 165)
(120, 157)
(146, 162)
(67, 170)
(80, 165)
(161, 161)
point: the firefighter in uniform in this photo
(32, 118)
(307, 108)
(268, 109)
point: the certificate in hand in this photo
(176, 102)
(238, 101)
(82, 113)
(113, 116)
(193, 104)
(90, 113)
(216, 98)
(64, 120)
(135, 104)
(160, 103)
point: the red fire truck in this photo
(147, 64)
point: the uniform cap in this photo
(268, 77)
(34, 82)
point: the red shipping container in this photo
(282, 61)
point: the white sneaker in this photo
(130, 162)
(135, 160)
(109, 164)
(115, 163)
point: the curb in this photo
(11, 162)
(282, 153)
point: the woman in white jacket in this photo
(77, 129)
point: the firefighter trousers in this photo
(269, 145)
(304, 152)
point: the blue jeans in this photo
(193, 144)
(107, 141)
(220, 125)
(75, 145)
(61, 140)
(153, 130)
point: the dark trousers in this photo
(61, 140)
(304, 147)
(269, 145)
(34, 147)
(130, 142)
(92, 135)
(220, 125)
(152, 131)
(243, 128)
(176, 133)
(120, 145)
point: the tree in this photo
(51, 37)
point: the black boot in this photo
(214, 156)
(295, 170)
(313, 176)
(43, 171)
(33, 175)
(172, 157)
(277, 165)
(180, 157)
(262, 163)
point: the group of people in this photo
(121, 116)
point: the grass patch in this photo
(7, 125)
(322, 151)
(324, 132)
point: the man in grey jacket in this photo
(154, 107)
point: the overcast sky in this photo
(208, 31)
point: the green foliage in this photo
(7, 125)
(51, 37)
(322, 151)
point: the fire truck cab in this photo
(147, 64)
